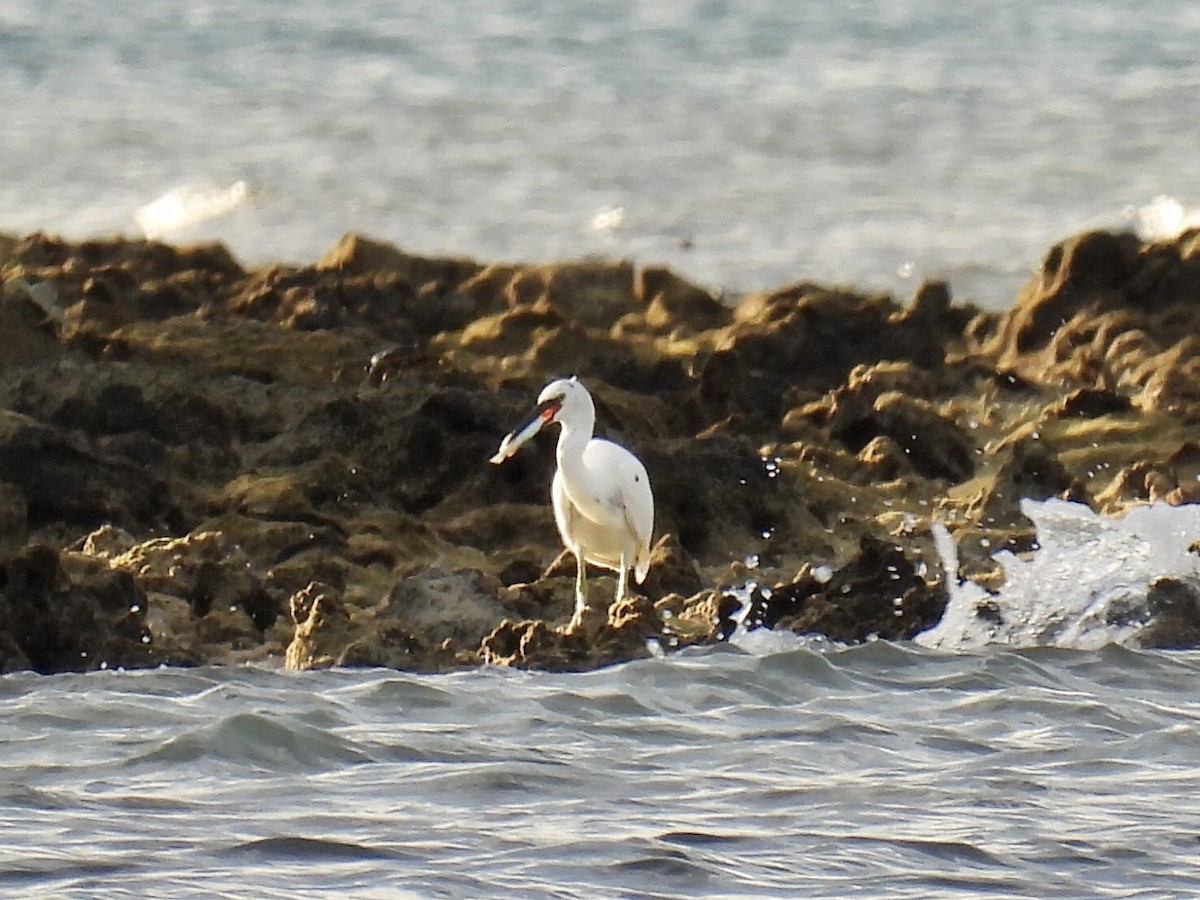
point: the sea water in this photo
(801, 771)
(772, 765)
(745, 144)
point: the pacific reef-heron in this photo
(603, 504)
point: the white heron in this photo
(603, 504)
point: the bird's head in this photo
(563, 400)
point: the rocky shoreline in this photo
(202, 463)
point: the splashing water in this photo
(607, 219)
(1164, 219)
(188, 205)
(755, 640)
(1086, 586)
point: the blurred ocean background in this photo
(745, 144)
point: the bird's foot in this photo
(586, 620)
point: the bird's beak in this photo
(515, 439)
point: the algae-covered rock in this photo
(202, 462)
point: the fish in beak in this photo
(513, 441)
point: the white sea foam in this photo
(607, 219)
(189, 205)
(1085, 586)
(768, 641)
(1164, 218)
(760, 641)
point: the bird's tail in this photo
(641, 565)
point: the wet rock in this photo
(1174, 608)
(632, 622)
(204, 569)
(877, 402)
(1025, 468)
(533, 644)
(1170, 380)
(884, 458)
(428, 618)
(461, 606)
(1107, 313)
(819, 335)
(64, 615)
(107, 543)
(672, 570)
(510, 333)
(670, 302)
(879, 593)
(854, 400)
(203, 597)
(221, 439)
(65, 482)
(8, 243)
(619, 635)
(1090, 403)
(591, 294)
(13, 518)
(703, 618)
(323, 628)
(935, 446)
(390, 643)
(357, 254)
(29, 322)
(1082, 272)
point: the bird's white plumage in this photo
(603, 504)
(614, 522)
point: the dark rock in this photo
(1088, 404)
(64, 482)
(1174, 607)
(13, 520)
(878, 594)
(54, 621)
(206, 442)
(933, 445)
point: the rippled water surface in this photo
(795, 769)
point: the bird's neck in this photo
(571, 442)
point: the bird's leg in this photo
(623, 580)
(581, 592)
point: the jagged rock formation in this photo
(204, 463)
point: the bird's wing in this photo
(631, 497)
(637, 505)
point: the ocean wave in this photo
(258, 741)
(308, 849)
